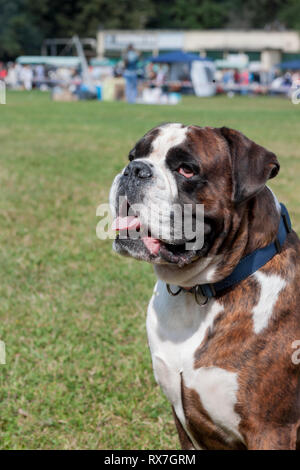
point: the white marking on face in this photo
(169, 136)
(270, 288)
(176, 327)
(162, 194)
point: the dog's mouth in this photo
(129, 228)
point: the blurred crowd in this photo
(239, 77)
(18, 77)
(132, 70)
(246, 80)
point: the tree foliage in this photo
(24, 23)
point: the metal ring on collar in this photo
(197, 292)
(173, 293)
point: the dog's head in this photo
(175, 172)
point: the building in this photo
(268, 47)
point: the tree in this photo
(18, 35)
(290, 14)
(254, 14)
(197, 14)
(83, 17)
(24, 23)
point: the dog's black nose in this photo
(138, 170)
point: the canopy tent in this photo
(190, 70)
(291, 64)
(176, 57)
(55, 61)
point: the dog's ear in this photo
(252, 165)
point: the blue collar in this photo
(247, 266)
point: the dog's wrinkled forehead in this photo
(157, 142)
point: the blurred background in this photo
(150, 51)
(82, 82)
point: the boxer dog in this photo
(224, 319)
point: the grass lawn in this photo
(78, 372)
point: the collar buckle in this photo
(173, 293)
(199, 291)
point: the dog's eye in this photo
(185, 171)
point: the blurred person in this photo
(131, 58)
(161, 75)
(18, 68)
(287, 79)
(150, 72)
(236, 76)
(12, 76)
(228, 77)
(254, 77)
(118, 69)
(65, 74)
(244, 82)
(296, 77)
(26, 76)
(219, 75)
(244, 77)
(3, 71)
(39, 75)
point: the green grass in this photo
(78, 372)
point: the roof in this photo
(96, 62)
(291, 64)
(56, 61)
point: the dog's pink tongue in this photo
(130, 223)
(126, 223)
(153, 245)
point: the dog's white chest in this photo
(176, 327)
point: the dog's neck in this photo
(253, 226)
